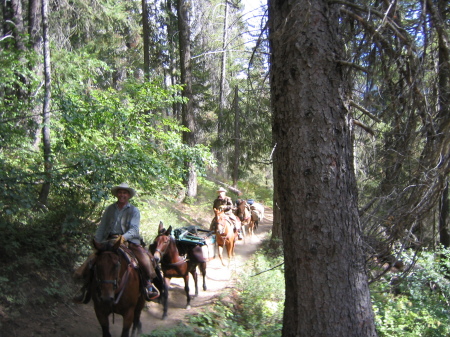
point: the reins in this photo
(123, 283)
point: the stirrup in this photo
(151, 292)
(82, 298)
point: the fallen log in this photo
(231, 188)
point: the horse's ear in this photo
(160, 227)
(169, 230)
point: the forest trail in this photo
(79, 320)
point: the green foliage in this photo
(262, 294)
(223, 317)
(179, 331)
(108, 129)
(154, 211)
(34, 260)
(257, 189)
(415, 304)
(16, 81)
(256, 308)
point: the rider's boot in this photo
(151, 292)
(83, 296)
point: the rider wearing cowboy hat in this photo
(226, 204)
(122, 218)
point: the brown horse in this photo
(244, 213)
(225, 235)
(173, 264)
(116, 288)
(257, 211)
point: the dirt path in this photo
(83, 323)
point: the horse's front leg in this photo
(194, 276)
(104, 322)
(137, 329)
(220, 249)
(186, 290)
(128, 320)
(164, 297)
(105, 331)
(202, 267)
(230, 252)
(137, 325)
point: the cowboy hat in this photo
(125, 187)
(221, 190)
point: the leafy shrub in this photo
(179, 331)
(415, 304)
(256, 308)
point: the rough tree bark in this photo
(444, 237)
(146, 39)
(45, 190)
(188, 118)
(220, 117)
(237, 137)
(327, 292)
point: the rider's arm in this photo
(132, 233)
(229, 204)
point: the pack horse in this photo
(250, 213)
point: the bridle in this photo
(166, 245)
(118, 287)
(114, 282)
(164, 250)
(221, 231)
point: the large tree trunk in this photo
(327, 292)
(45, 190)
(237, 138)
(444, 110)
(18, 30)
(188, 114)
(220, 123)
(146, 39)
(277, 229)
(172, 30)
(444, 237)
(35, 32)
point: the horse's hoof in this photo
(164, 317)
(188, 307)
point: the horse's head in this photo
(162, 243)
(221, 221)
(242, 210)
(107, 269)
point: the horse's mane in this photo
(114, 246)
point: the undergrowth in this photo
(255, 307)
(413, 304)
(416, 303)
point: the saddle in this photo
(129, 256)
